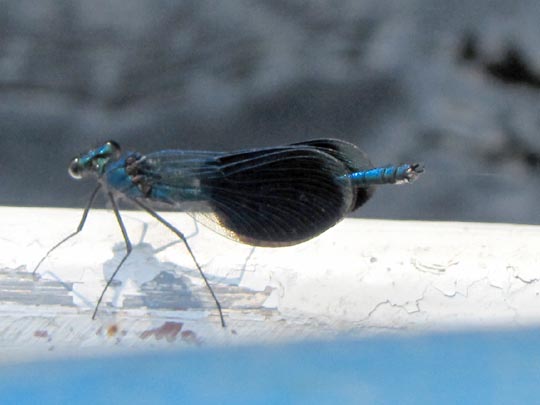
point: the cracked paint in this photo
(445, 276)
(169, 331)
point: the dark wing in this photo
(266, 197)
(279, 197)
(354, 158)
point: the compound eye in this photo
(112, 149)
(75, 169)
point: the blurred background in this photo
(452, 83)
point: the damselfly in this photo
(277, 196)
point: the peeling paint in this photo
(433, 267)
(20, 287)
(112, 330)
(169, 331)
(41, 334)
(190, 337)
(447, 275)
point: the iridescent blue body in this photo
(275, 196)
(384, 175)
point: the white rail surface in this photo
(360, 278)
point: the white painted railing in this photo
(359, 278)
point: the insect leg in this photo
(183, 238)
(128, 251)
(79, 228)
